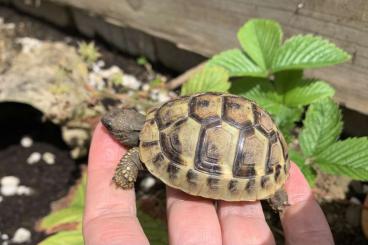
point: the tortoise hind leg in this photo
(279, 200)
(127, 170)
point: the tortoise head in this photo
(125, 125)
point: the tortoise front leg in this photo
(127, 170)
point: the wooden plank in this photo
(209, 26)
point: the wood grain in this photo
(209, 26)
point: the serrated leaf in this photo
(155, 229)
(263, 93)
(258, 89)
(237, 64)
(307, 51)
(307, 92)
(307, 170)
(64, 238)
(63, 216)
(348, 157)
(322, 127)
(209, 79)
(285, 80)
(261, 39)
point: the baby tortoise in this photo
(218, 146)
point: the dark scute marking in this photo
(264, 181)
(192, 176)
(256, 113)
(248, 131)
(277, 171)
(149, 143)
(152, 121)
(157, 160)
(250, 186)
(273, 137)
(180, 122)
(203, 103)
(173, 170)
(268, 165)
(212, 183)
(201, 161)
(232, 187)
(232, 105)
(171, 147)
(239, 168)
(262, 130)
(284, 151)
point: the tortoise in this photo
(215, 145)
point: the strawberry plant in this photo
(270, 72)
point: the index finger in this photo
(110, 213)
(303, 221)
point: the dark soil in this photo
(49, 182)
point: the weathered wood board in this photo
(209, 26)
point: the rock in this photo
(9, 181)
(8, 190)
(147, 183)
(26, 142)
(24, 190)
(131, 82)
(21, 235)
(34, 158)
(49, 158)
(353, 215)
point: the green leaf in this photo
(261, 39)
(322, 127)
(348, 157)
(307, 170)
(285, 80)
(155, 229)
(237, 63)
(64, 238)
(258, 89)
(263, 93)
(71, 214)
(79, 195)
(307, 51)
(209, 79)
(63, 216)
(308, 91)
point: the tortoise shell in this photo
(218, 146)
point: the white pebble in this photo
(147, 183)
(24, 190)
(34, 157)
(5, 243)
(8, 190)
(10, 181)
(1, 199)
(355, 200)
(146, 87)
(49, 158)
(131, 82)
(26, 142)
(21, 235)
(4, 236)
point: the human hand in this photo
(110, 213)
